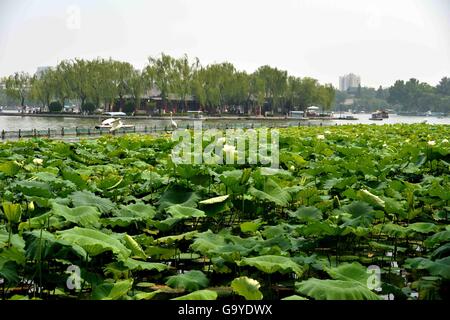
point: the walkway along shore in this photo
(205, 118)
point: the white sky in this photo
(381, 40)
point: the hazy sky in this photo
(381, 40)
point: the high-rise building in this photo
(349, 81)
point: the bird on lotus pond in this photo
(173, 124)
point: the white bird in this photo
(173, 123)
(115, 124)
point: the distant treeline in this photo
(409, 96)
(178, 83)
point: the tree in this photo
(257, 92)
(182, 80)
(444, 86)
(122, 73)
(307, 92)
(101, 84)
(18, 86)
(275, 84)
(397, 93)
(42, 88)
(137, 84)
(88, 107)
(198, 87)
(380, 93)
(327, 95)
(77, 77)
(162, 70)
(60, 83)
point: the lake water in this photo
(14, 123)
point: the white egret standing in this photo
(173, 124)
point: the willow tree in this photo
(162, 69)
(183, 77)
(18, 86)
(42, 88)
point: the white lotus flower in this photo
(327, 132)
(221, 140)
(445, 141)
(38, 162)
(384, 145)
(431, 143)
(229, 149)
(407, 140)
(320, 136)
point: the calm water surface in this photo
(14, 123)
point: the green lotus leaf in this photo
(349, 272)
(112, 291)
(178, 195)
(132, 264)
(271, 192)
(437, 238)
(307, 214)
(271, 264)
(334, 290)
(94, 242)
(199, 295)
(86, 198)
(10, 168)
(34, 188)
(294, 297)
(422, 227)
(439, 267)
(191, 280)
(247, 287)
(370, 198)
(84, 216)
(135, 248)
(215, 200)
(180, 212)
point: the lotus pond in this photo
(354, 212)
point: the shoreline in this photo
(205, 118)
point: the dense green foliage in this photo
(140, 227)
(410, 96)
(413, 95)
(88, 107)
(217, 87)
(55, 106)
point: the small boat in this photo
(347, 118)
(113, 124)
(379, 115)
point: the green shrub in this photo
(55, 106)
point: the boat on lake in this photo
(379, 115)
(113, 124)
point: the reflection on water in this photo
(14, 123)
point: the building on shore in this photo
(349, 81)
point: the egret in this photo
(173, 124)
